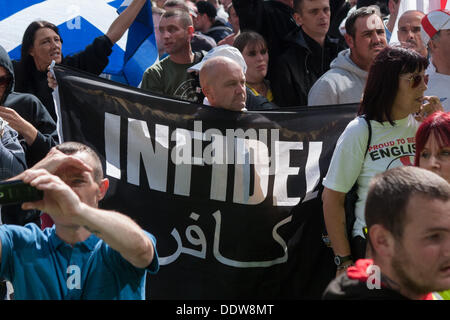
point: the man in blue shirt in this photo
(89, 253)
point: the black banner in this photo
(233, 198)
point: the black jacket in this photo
(272, 19)
(339, 12)
(254, 103)
(218, 31)
(296, 70)
(93, 59)
(32, 110)
(202, 42)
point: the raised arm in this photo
(63, 204)
(124, 20)
(56, 160)
(22, 126)
(120, 232)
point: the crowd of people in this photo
(269, 55)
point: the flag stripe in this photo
(426, 24)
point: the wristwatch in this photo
(338, 260)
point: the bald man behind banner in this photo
(223, 84)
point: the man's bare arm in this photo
(119, 231)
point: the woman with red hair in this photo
(433, 151)
(433, 144)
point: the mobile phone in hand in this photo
(16, 191)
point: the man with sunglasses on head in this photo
(435, 31)
(346, 79)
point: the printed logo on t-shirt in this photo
(401, 161)
(186, 91)
(401, 151)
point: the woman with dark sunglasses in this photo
(392, 103)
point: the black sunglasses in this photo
(5, 80)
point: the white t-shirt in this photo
(390, 146)
(439, 85)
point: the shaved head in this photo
(208, 72)
(227, 90)
(412, 12)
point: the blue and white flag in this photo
(79, 23)
(141, 50)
